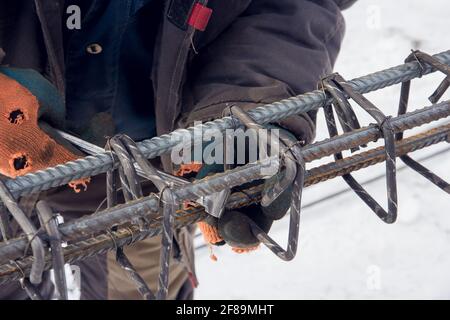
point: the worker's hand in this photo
(27, 143)
(299, 126)
(233, 228)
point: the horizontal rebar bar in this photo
(151, 148)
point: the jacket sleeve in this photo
(274, 50)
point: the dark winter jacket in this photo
(251, 52)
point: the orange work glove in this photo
(24, 146)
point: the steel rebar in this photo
(151, 148)
(80, 249)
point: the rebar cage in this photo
(50, 245)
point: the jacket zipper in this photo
(56, 69)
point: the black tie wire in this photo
(294, 175)
(50, 226)
(424, 58)
(49, 222)
(30, 231)
(339, 89)
(127, 152)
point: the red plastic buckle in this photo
(200, 17)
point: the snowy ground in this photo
(345, 251)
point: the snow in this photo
(345, 251)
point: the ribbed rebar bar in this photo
(94, 165)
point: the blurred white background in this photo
(345, 251)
